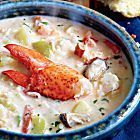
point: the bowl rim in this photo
(131, 45)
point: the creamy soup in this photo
(107, 75)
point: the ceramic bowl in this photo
(110, 125)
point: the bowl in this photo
(113, 123)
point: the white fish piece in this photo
(96, 69)
(109, 82)
(72, 119)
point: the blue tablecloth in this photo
(132, 130)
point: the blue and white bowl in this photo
(110, 125)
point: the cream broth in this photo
(63, 36)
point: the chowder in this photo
(58, 75)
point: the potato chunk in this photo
(81, 107)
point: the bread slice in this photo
(129, 8)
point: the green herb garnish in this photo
(102, 114)
(39, 105)
(100, 109)
(58, 130)
(106, 100)
(95, 101)
(52, 123)
(19, 120)
(45, 23)
(57, 123)
(60, 25)
(80, 40)
(26, 25)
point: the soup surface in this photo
(81, 48)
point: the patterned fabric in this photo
(132, 130)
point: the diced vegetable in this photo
(79, 50)
(43, 47)
(115, 49)
(22, 35)
(39, 125)
(81, 107)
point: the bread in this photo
(129, 8)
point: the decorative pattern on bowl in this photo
(111, 124)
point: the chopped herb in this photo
(58, 101)
(100, 109)
(117, 56)
(52, 123)
(102, 114)
(106, 100)
(126, 78)
(60, 25)
(19, 120)
(57, 123)
(17, 94)
(58, 130)
(45, 23)
(80, 40)
(39, 105)
(26, 25)
(50, 129)
(95, 101)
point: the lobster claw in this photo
(18, 77)
(47, 78)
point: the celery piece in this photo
(39, 125)
(22, 35)
(42, 47)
